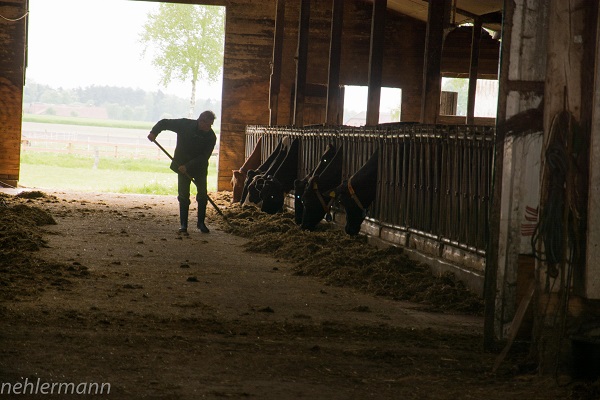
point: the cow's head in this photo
(254, 188)
(355, 212)
(358, 193)
(237, 184)
(325, 159)
(272, 196)
(316, 204)
(250, 175)
(299, 187)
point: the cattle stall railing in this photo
(433, 185)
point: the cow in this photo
(300, 184)
(238, 176)
(253, 173)
(358, 193)
(318, 194)
(274, 188)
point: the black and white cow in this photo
(358, 193)
(318, 194)
(300, 184)
(275, 186)
(250, 194)
(238, 176)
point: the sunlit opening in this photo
(355, 105)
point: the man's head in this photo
(205, 120)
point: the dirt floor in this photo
(100, 288)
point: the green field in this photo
(73, 172)
(48, 170)
(79, 121)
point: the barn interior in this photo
(285, 67)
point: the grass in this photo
(83, 162)
(74, 172)
(109, 174)
(54, 119)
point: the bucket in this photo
(585, 357)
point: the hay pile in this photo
(19, 226)
(342, 260)
(22, 274)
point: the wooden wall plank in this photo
(12, 60)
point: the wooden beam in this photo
(475, 43)
(301, 62)
(536, 87)
(516, 323)
(275, 83)
(490, 292)
(591, 118)
(333, 109)
(437, 18)
(376, 61)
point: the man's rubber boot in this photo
(201, 225)
(183, 217)
(203, 228)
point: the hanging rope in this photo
(15, 19)
(550, 230)
(556, 238)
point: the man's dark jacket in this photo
(194, 147)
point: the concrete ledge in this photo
(370, 228)
(473, 280)
(425, 245)
(463, 257)
(394, 236)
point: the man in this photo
(195, 143)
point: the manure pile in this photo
(343, 260)
(21, 228)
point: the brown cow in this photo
(239, 175)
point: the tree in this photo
(187, 43)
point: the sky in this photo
(80, 43)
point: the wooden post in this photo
(333, 109)
(12, 76)
(376, 61)
(275, 83)
(523, 71)
(490, 282)
(434, 39)
(301, 62)
(448, 103)
(590, 116)
(475, 43)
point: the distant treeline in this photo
(120, 103)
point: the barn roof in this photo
(490, 11)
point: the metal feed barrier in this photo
(433, 186)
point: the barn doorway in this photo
(91, 96)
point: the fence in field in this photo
(97, 146)
(433, 185)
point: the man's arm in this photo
(164, 125)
